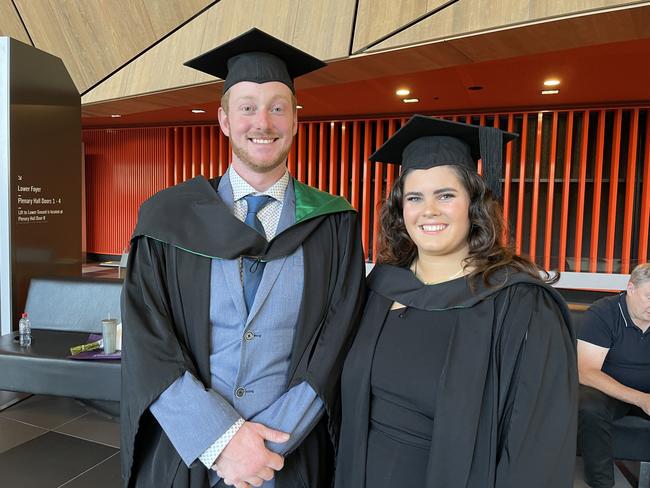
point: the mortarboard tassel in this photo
(491, 144)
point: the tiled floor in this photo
(50, 442)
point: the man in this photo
(614, 367)
(240, 299)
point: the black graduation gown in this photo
(165, 307)
(506, 407)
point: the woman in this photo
(463, 372)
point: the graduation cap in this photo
(258, 57)
(424, 142)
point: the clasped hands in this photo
(246, 461)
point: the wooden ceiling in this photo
(599, 75)
(94, 38)
(125, 56)
(161, 68)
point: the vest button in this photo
(240, 392)
(249, 336)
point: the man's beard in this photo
(245, 157)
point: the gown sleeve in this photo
(538, 384)
(152, 355)
(344, 288)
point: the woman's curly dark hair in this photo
(487, 252)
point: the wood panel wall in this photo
(576, 183)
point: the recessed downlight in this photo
(410, 100)
(552, 82)
(299, 106)
(198, 111)
(115, 116)
(402, 92)
(550, 92)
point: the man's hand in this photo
(246, 461)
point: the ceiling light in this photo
(115, 115)
(198, 111)
(475, 87)
(551, 82)
(410, 100)
(299, 106)
(550, 92)
(402, 92)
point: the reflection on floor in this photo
(96, 270)
(51, 442)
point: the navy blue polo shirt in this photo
(607, 323)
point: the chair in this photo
(63, 311)
(632, 443)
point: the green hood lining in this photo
(311, 203)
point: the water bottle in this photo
(25, 331)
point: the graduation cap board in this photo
(424, 142)
(258, 57)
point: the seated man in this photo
(614, 368)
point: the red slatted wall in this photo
(576, 183)
(123, 168)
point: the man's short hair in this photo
(224, 100)
(640, 274)
(226, 97)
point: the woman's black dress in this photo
(474, 387)
(407, 363)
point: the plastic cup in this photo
(109, 334)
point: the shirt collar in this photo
(622, 307)
(241, 188)
(625, 313)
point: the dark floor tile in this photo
(44, 411)
(102, 407)
(105, 475)
(50, 460)
(94, 427)
(13, 433)
(9, 398)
